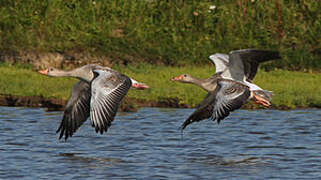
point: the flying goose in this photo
(97, 94)
(231, 86)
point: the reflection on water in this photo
(263, 144)
(235, 161)
(93, 162)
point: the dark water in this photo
(265, 144)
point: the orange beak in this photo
(44, 72)
(140, 86)
(177, 78)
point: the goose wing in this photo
(244, 63)
(204, 110)
(77, 109)
(228, 96)
(108, 88)
(220, 61)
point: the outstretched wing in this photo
(204, 110)
(230, 96)
(244, 63)
(107, 90)
(77, 109)
(220, 61)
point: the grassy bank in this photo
(165, 32)
(291, 89)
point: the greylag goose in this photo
(231, 86)
(97, 94)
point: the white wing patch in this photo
(253, 87)
(220, 60)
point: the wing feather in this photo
(204, 110)
(220, 61)
(77, 110)
(228, 96)
(108, 89)
(245, 62)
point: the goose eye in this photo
(184, 75)
(50, 69)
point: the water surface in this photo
(263, 144)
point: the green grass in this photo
(291, 89)
(167, 32)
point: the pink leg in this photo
(258, 100)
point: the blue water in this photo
(264, 144)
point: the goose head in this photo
(138, 85)
(185, 78)
(51, 71)
(83, 73)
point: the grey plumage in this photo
(242, 63)
(97, 95)
(108, 89)
(77, 109)
(227, 97)
(230, 87)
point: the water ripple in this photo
(148, 144)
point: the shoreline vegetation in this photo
(22, 86)
(175, 33)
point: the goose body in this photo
(231, 86)
(97, 95)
